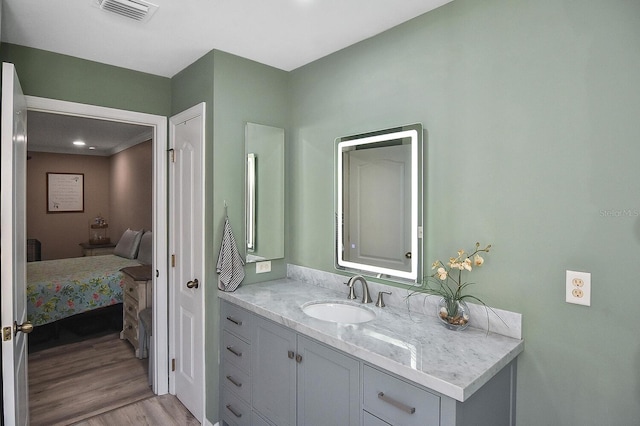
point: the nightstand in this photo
(89, 249)
(138, 292)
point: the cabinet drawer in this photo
(371, 420)
(131, 306)
(236, 351)
(235, 411)
(398, 402)
(130, 330)
(131, 289)
(237, 320)
(236, 380)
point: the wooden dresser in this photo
(138, 291)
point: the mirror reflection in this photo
(379, 203)
(264, 193)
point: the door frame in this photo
(159, 348)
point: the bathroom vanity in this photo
(282, 367)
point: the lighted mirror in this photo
(379, 203)
(264, 194)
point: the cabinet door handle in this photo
(233, 351)
(396, 404)
(232, 380)
(298, 358)
(290, 354)
(235, 321)
(234, 412)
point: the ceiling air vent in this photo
(134, 9)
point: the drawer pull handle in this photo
(234, 412)
(291, 355)
(298, 358)
(396, 404)
(233, 351)
(232, 380)
(235, 321)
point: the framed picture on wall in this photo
(65, 192)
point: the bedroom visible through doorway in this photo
(155, 128)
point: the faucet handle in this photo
(380, 302)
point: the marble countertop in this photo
(409, 344)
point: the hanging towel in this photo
(230, 265)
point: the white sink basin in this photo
(338, 312)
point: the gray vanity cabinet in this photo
(273, 376)
(297, 381)
(270, 375)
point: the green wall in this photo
(531, 112)
(50, 75)
(235, 90)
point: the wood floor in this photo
(97, 382)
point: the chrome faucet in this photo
(366, 298)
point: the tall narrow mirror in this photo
(379, 203)
(264, 193)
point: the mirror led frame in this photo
(345, 144)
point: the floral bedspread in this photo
(60, 288)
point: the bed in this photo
(58, 289)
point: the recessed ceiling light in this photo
(92, 147)
(79, 143)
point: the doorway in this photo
(158, 125)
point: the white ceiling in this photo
(56, 133)
(285, 34)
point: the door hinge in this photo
(173, 260)
(173, 364)
(172, 155)
(7, 333)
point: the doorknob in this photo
(26, 327)
(193, 284)
(408, 255)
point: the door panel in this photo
(374, 172)
(13, 260)
(187, 247)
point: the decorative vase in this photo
(454, 314)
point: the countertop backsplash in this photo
(507, 324)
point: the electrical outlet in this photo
(262, 267)
(578, 288)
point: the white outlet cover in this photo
(262, 267)
(578, 288)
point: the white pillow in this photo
(145, 253)
(128, 244)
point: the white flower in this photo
(466, 264)
(478, 260)
(442, 273)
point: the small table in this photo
(89, 249)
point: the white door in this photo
(13, 249)
(186, 235)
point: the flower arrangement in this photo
(451, 287)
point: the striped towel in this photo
(230, 265)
